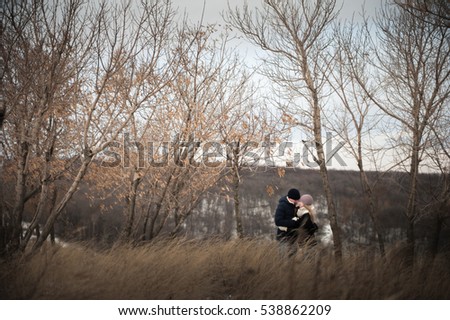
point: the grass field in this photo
(214, 269)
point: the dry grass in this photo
(244, 269)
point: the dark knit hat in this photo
(293, 194)
(306, 199)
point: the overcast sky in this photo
(214, 8)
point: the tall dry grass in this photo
(241, 269)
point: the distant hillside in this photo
(89, 217)
(261, 190)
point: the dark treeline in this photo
(91, 217)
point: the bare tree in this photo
(3, 227)
(358, 117)
(38, 87)
(142, 82)
(438, 156)
(120, 38)
(294, 34)
(436, 11)
(244, 132)
(409, 82)
(64, 84)
(209, 85)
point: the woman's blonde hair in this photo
(311, 211)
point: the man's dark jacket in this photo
(283, 218)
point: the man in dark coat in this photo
(286, 218)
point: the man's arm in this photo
(283, 219)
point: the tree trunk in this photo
(179, 223)
(321, 160)
(3, 216)
(146, 219)
(412, 201)
(152, 229)
(131, 207)
(35, 221)
(369, 198)
(62, 204)
(434, 248)
(410, 242)
(236, 187)
(43, 199)
(19, 205)
(331, 211)
(237, 204)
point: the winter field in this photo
(152, 145)
(218, 269)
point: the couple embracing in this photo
(295, 219)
